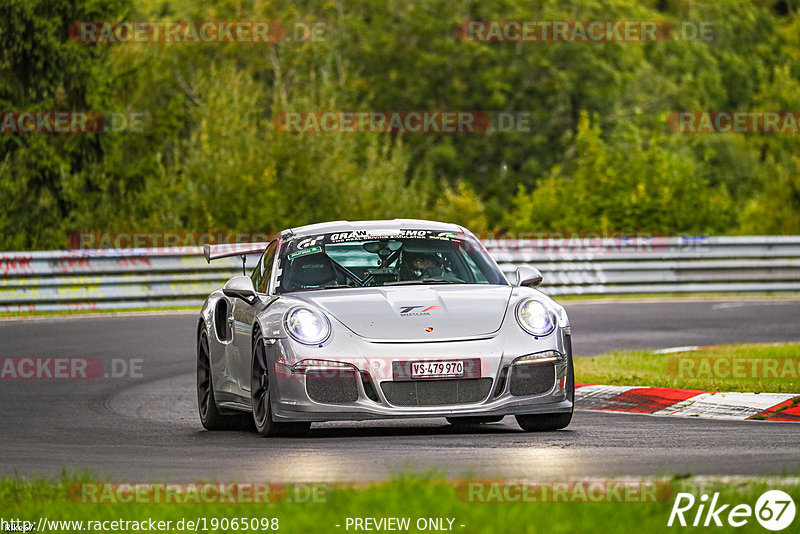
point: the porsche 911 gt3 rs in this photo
(380, 319)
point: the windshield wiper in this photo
(423, 281)
(335, 286)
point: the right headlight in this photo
(535, 317)
(307, 325)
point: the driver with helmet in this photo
(419, 265)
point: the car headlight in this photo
(308, 326)
(535, 318)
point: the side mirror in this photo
(528, 276)
(240, 287)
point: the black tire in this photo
(473, 420)
(260, 398)
(548, 422)
(210, 416)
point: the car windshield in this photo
(374, 258)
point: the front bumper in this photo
(371, 380)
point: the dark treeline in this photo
(598, 155)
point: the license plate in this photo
(437, 369)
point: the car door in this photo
(237, 322)
(244, 316)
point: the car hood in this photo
(420, 312)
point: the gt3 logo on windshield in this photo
(408, 311)
(309, 242)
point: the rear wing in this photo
(224, 250)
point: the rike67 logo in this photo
(774, 510)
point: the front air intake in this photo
(532, 378)
(436, 392)
(340, 387)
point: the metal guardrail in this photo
(141, 278)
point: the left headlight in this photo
(535, 317)
(308, 326)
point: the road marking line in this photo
(672, 350)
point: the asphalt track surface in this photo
(147, 428)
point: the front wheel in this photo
(546, 422)
(260, 398)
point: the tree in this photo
(634, 182)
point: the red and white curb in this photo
(689, 402)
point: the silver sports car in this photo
(380, 319)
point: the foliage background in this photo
(600, 156)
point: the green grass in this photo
(645, 368)
(408, 496)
